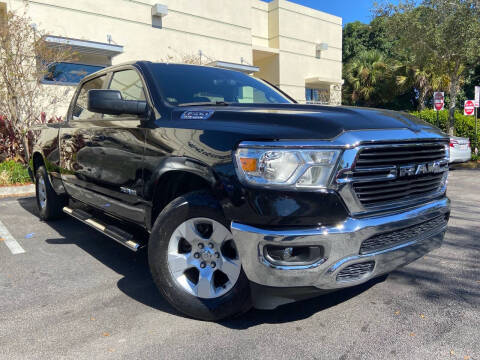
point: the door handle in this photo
(98, 138)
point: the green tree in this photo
(368, 79)
(423, 78)
(356, 38)
(472, 79)
(444, 31)
(381, 39)
(359, 37)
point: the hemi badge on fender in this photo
(196, 115)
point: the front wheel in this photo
(194, 260)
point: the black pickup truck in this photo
(240, 195)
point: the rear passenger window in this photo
(80, 111)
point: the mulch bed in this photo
(466, 165)
(17, 184)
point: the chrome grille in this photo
(384, 191)
(376, 179)
(394, 238)
(399, 155)
(355, 271)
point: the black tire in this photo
(197, 204)
(49, 203)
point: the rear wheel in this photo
(49, 203)
(194, 260)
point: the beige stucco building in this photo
(294, 47)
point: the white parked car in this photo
(460, 150)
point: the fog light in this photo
(293, 255)
(287, 253)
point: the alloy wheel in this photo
(42, 192)
(203, 259)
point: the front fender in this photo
(167, 165)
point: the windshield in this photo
(183, 85)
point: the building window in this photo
(317, 96)
(319, 48)
(64, 73)
(311, 95)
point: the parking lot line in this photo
(10, 241)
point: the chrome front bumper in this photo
(341, 248)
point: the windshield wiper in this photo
(206, 103)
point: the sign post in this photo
(477, 105)
(438, 103)
(476, 130)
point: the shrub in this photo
(25, 57)
(464, 125)
(9, 142)
(4, 178)
(11, 145)
(12, 172)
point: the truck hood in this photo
(296, 121)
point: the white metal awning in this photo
(322, 80)
(233, 66)
(84, 46)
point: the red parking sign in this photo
(469, 108)
(438, 100)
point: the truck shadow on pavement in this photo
(138, 284)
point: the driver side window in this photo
(250, 95)
(130, 85)
(128, 82)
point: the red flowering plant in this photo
(11, 145)
(8, 143)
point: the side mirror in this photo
(111, 102)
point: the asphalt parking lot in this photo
(74, 294)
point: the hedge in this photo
(12, 172)
(464, 125)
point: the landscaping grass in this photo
(13, 173)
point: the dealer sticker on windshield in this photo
(196, 115)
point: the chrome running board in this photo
(113, 232)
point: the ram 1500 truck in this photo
(240, 195)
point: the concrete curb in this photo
(12, 191)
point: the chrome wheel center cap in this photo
(208, 254)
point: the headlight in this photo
(290, 168)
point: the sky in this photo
(349, 10)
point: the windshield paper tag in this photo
(196, 115)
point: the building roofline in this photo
(304, 10)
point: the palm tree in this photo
(424, 79)
(368, 78)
